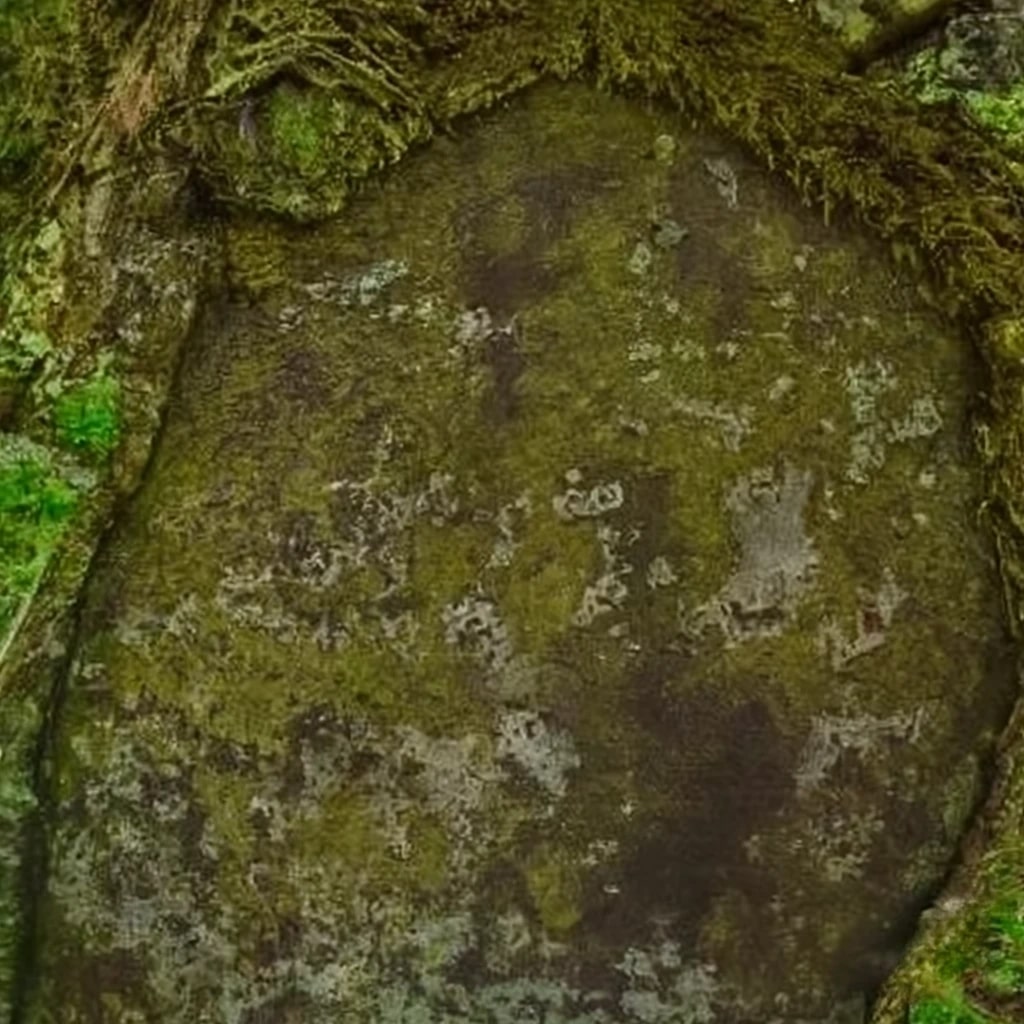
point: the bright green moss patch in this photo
(1001, 963)
(300, 123)
(1001, 113)
(35, 504)
(87, 417)
(977, 976)
(945, 1010)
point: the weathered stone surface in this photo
(527, 619)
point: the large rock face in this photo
(557, 596)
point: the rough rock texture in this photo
(557, 596)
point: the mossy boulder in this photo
(558, 594)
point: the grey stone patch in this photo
(508, 518)
(609, 591)
(875, 617)
(665, 148)
(475, 624)
(843, 842)
(660, 573)
(290, 318)
(136, 629)
(257, 594)
(830, 735)
(455, 780)
(865, 384)
(778, 563)
(472, 327)
(644, 352)
(983, 50)
(724, 176)
(546, 755)
(249, 598)
(781, 387)
(923, 420)
(665, 990)
(641, 259)
(362, 289)
(668, 233)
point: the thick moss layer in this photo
(540, 602)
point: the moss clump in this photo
(87, 417)
(945, 1010)
(35, 504)
(1000, 112)
(554, 887)
(300, 123)
(977, 975)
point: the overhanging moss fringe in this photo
(355, 83)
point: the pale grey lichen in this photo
(360, 289)
(474, 623)
(666, 990)
(733, 427)
(724, 176)
(831, 734)
(609, 591)
(547, 755)
(579, 504)
(923, 420)
(778, 562)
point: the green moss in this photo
(87, 417)
(300, 125)
(979, 966)
(945, 1010)
(1002, 113)
(553, 881)
(35, 505)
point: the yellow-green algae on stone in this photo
(557, 596)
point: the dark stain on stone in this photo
(723, 771)
(302, 378)
(553, 198)
(507, 282)
(94, 976)
(872, 948)
(505, 358)
(283, 942)
(701, 259)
